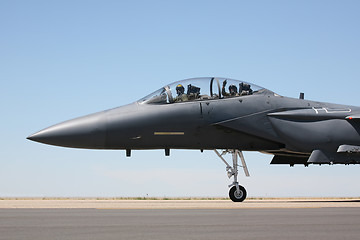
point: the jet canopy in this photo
(197, 89)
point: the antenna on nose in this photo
(301, 95)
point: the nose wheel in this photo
(237, 193)
(237, 196)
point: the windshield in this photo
(197, 89)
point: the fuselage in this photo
(260, 121)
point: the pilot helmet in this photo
(233, 89)
(180, 89)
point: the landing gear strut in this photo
(237, 193)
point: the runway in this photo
(319, 223)
(341, 221)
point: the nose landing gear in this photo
(237, 193)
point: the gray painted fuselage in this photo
(291, 129)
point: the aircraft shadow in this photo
(310, 201)
(327, 201)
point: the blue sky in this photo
(64, 59)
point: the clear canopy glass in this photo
(197, 89)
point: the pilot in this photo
(232, 90)
(181, 96)
(245, 89)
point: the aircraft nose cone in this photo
(84, 132)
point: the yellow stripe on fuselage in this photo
(169, 133)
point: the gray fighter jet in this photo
(217, 113)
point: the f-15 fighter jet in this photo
(220, 114)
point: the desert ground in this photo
(176, 203)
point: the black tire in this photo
(235, 197)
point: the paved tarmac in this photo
(265, 223)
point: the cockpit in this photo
(197, 89)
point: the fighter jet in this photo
(213, 113)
